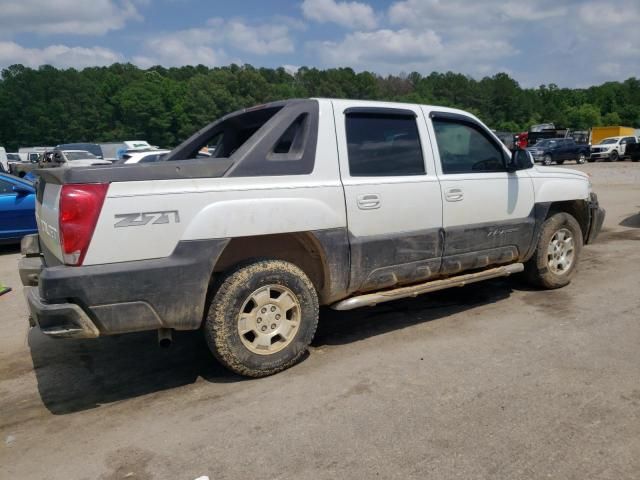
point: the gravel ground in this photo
(492, 381)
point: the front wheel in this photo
(546, 160)
(614, 157)
(554, 262)
(581, 159)
(262, 318)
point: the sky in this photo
(572, 43)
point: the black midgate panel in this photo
(382, 261)
(251, 159)
(256, 158)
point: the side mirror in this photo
(520, 160)
(22, 191)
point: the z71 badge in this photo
(146, 218)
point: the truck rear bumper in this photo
(59, 320)
(88, 301)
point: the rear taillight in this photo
(80, 207)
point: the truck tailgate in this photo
(47, 201)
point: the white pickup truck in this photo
(304, 203)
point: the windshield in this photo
(79, 155)
(608, 141)
(546, 143)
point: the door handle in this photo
(369, 201)
(453, 195)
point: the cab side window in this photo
(464, 148)
(383, 145)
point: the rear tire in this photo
(581, 159)
(554, 262)
(262, 318)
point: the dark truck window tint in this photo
(464, 149)
(381, 145)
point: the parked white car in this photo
(611, 149)
(147, 156)
(4, 160)
(76, 158)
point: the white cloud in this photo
(57, 55)
(347, 14)
(209, 45)
(462, 13)
(388, 46)
(260, 39)
(291, 69)
(174, 52)
(75, 17)
(393, 51)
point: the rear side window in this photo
(382, 145)
(465, 149)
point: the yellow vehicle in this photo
(600, 133)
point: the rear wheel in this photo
(581, 159)
(554, 262)
(262, 318)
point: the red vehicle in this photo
(539, 132)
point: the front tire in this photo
(614, 157)
(554, 262)
(546, 160)
(262, 318)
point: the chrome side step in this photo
(371, 299)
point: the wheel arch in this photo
(578, 209)
(322, 255)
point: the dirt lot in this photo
(493, 381)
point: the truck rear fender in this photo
(323, 255)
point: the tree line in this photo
(48, 106)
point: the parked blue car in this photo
(17, 208)
(30, 176)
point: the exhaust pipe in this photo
(165, 337)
